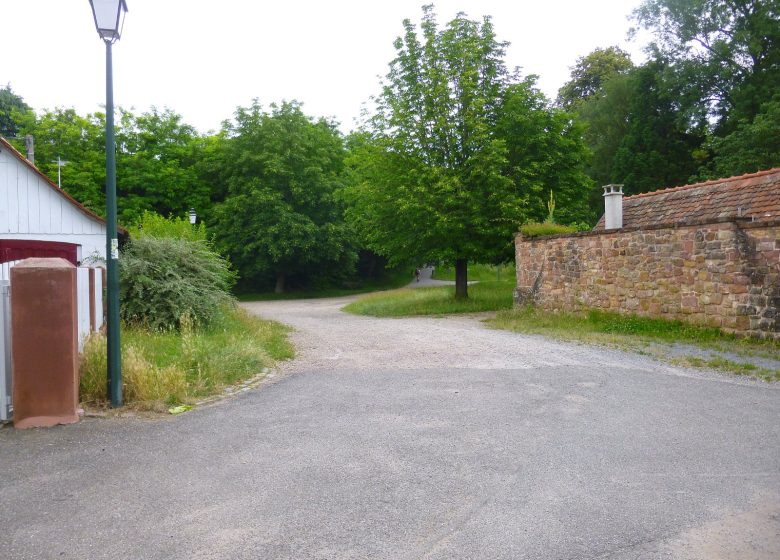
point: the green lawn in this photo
(485, 296)
(479, 273)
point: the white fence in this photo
(90, 282)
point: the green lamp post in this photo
(109, 18)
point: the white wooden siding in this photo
(30, 208)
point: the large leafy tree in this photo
(590, 73)
(157, 162)
(12, 106)
(78, 143)
(545, 153)
(157, 157)
(727, 51)
(280, 217)
(435, 178)
(659, 145)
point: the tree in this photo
(434, 176)
(605, 117)
(545, 153)
(62, 134)
(590, 73)
(157, 157)
(10, 104)
(658, 147)
(280, 217)
(727, 51)
(751, 147)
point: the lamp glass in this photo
(193, 216)
(109, 17)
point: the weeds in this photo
(170, 367)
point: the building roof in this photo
(5, 145)
(754, 195)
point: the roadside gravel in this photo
(327, 338)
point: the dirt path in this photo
(326, 338)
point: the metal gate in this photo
(6, 408)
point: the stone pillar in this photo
(45, 343)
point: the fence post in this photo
(44, 316)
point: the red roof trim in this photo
(89, 213)
(706, 183)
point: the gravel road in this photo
(415, 438)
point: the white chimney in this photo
(613, 206)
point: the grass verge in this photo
(485, 296)
(161, 369)
(662, 338)
(478, 273)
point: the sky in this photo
(203, 59)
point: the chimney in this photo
(613, 206)
(29, 143)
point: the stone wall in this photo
(723, 274)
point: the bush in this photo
(536, 229)
(154, 225)
(165, 279)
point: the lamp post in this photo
(109, 17)
(193, 216)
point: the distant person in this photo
(417, 274)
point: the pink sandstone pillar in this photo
(45, 347)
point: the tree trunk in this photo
(461, 279)
(279, 283)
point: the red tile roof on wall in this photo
(755, 195)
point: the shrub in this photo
(165, 279)
(154, 225)
(536, 229)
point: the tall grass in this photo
(485, 296)
(169, 367)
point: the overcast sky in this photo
(204, 58)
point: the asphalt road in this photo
(415, 438)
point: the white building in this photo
(38, 219)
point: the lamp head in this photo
(109, 18)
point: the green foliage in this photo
(11, 107)
(166, 367)
(163, 280)
(154, 225)
(281, 217)
(545, 152)
(79, 141)
(478, 272)
(457, 152)
(157, 166)
(727, 50)
(751, 147)
(658, 146)
(158, 158)
(536, 229)
(484, 296)
(590, 73)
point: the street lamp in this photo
(109, 18)
(193, 216)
